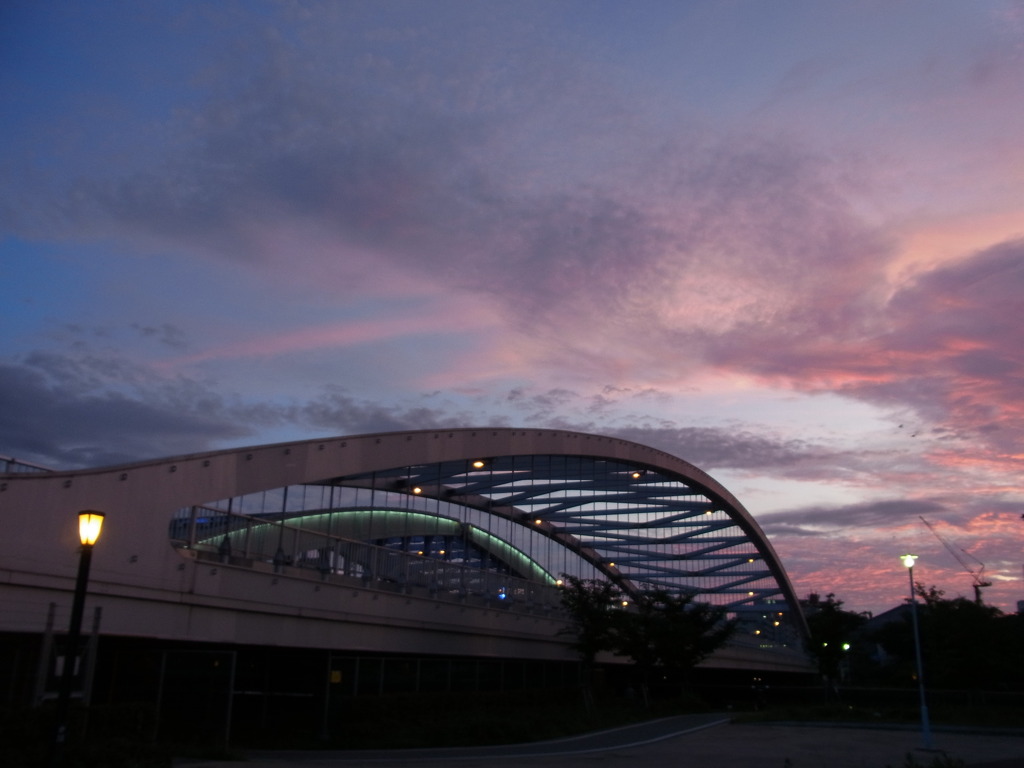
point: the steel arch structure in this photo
(643, 521)
(625, 512)
(547, 501)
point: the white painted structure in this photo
(147, 587)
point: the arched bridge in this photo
(441, 541)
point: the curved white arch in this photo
(139, 497)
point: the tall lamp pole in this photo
(90, 523)
(926, 729)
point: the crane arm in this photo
(976, 574)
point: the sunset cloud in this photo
(783, 244)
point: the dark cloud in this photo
(865, 516)
(978, 295)
(708, 448)
(955, 346)
(65, 412)
(724, 448)
(62, 413)
(451, 161)
(342, 413)
(169, 335)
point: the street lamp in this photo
(926, 730)
(90, 523)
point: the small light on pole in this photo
(926, 730)
(90, 524)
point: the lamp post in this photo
(926, 730)
(90, 523)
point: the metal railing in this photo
(284, 547)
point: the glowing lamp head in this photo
(908, 560)
(90, 523)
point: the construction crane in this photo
(977, 574)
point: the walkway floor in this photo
(689, 741)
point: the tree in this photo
(958, 639)
(589, 603)
(965, 645)
(591, 622)
(671, 632)
(680, 631)
(832, 632)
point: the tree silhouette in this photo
(673, 633)
(965, 645)
(832, 633)
(589, 603)
(660, 630)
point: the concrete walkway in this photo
(688, 741)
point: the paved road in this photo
(689, 741)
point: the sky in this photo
(781, 240)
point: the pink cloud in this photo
(397, 324)
(862, 568)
